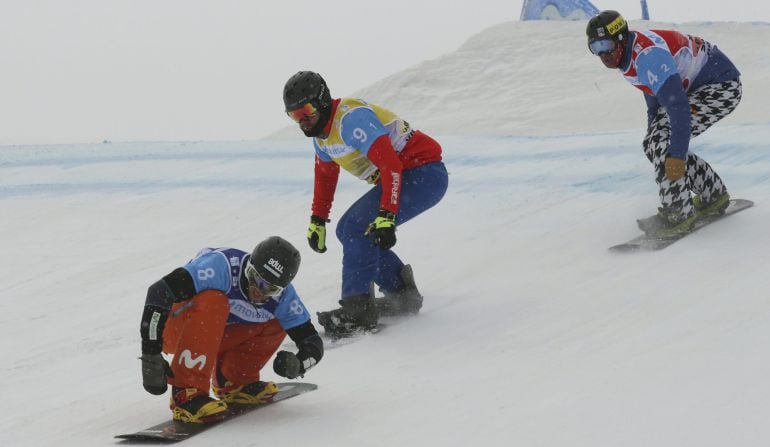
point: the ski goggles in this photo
(599, 46)
(256, 280)
(306, 111)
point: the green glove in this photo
(383, 229)
(316, 234)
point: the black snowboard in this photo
(175, 431)
(647, 242)
(335, 340)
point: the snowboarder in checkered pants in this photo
(688, 85)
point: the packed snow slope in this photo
(532, 332)
(538, 78)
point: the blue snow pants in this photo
(422, 187)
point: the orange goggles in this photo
(304, 112)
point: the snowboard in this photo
(175, 431)
(648, 242)
(332, 340)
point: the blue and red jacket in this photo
(665, 65)
(372, 143)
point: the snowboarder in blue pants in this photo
(405, 167)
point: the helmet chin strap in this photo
(619, 56)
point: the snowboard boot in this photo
(715, 207)
(668, 223)
(404, 301)
(356, 314)
(196, 406)
(252, 394)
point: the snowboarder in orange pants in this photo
(222, 316)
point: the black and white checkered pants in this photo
(708, 104)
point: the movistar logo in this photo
(186, 359)
(248, 312)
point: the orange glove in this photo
(674, 168)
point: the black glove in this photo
(316, 234)
(383, 229)
(155, 371)
(286, 364)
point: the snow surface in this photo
(532, 333)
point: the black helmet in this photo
(276, 260)
(607, 24)
(309, 87)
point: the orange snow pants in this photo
(198, 336)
